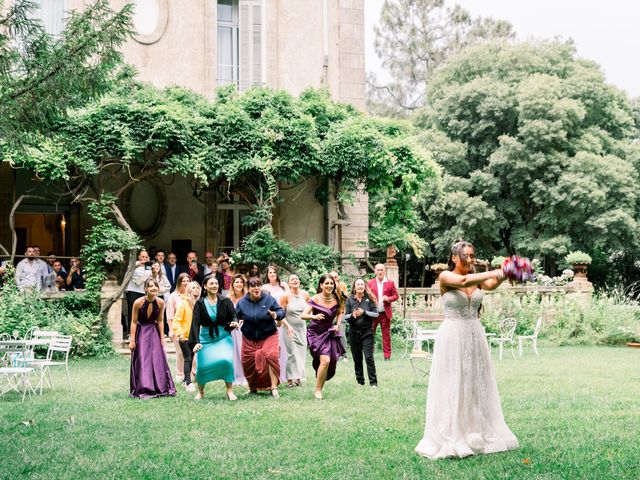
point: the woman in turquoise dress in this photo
(210, 336)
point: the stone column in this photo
(114, 316)
(581, 289)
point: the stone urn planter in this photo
(580, 270)
(391, 253)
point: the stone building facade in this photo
(201, 44)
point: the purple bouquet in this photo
(518, 269)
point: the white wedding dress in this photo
(464, 416)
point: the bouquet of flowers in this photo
(518, 269)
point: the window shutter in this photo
(257, 44)
(250, 43)
(51, 12)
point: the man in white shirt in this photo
(135, 288)
(28, 272)
(42, 265)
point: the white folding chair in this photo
(62, 345)
(420, 363)
(533, 338)
(44, 334)
(505, 336)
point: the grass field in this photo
(575, 411)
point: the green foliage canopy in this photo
(41, 76)
(246, 144)
(413, 39)
(537, 153)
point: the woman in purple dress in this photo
(323, 336)
(150, 373)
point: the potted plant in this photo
(579, 260)
(632, 335)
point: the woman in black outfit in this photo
(360, 310)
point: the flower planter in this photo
(580, 270)
(633, 344)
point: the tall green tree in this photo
(538, 153)
(413, 38)
(41, 76)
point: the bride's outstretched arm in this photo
(487, 280)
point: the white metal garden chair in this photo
(505, 336)
(15, 371)
(59, 345)
(533, 338)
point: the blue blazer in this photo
(170, 276)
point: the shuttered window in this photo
(251, 38)
(51, 13)
(227, 42)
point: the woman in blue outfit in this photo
(210, 337)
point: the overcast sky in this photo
(607, 32)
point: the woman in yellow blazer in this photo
(182, 327)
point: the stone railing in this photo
(428, 299)
(416, 299)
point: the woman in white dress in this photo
(294, 302)
(464, 415)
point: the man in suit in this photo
(193, 268)
(386, 293)
(171, 269)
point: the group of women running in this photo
(256, 335)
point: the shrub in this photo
(578, 256)
(613, 318)
(309, 261)
(74, 314)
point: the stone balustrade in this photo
(428, 299)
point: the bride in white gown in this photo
(464, 416)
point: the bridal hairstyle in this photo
(458, 250)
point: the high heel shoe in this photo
(231, 396)
(275, 393)
(318, 395)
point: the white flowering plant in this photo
(563, 279)
(111, 257)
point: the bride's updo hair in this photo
(457, 249)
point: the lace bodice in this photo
(458, 305)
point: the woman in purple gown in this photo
(323, 336)
(150, 373)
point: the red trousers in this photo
(385, 324)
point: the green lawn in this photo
(575, 411)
